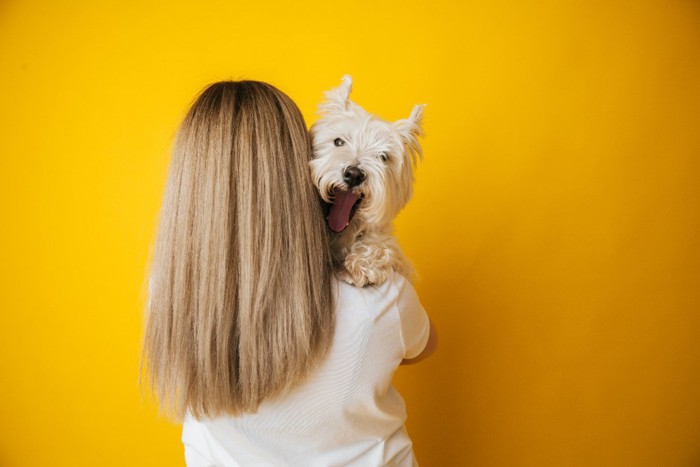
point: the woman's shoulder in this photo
(372, 295)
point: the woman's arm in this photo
(429, 347)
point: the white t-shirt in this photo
(346, 413)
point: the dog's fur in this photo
(382, 157)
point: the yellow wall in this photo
(554, 222)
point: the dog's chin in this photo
(341, 211)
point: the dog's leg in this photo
(370, 260)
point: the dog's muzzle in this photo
(353, 176)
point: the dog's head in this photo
(363, 165)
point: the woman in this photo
(251, 339)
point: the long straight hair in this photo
(240, 293)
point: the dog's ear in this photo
(338, 98)
(410, 129)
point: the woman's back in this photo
(346, 412)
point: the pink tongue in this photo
(339, 214)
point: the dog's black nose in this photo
(353, 176)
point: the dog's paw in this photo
(348, 278)
(367, 267)
(357, 279)
(365, 276)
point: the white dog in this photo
(363, 169)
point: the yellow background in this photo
(554, 224)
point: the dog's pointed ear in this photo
(338, 98)
(410, 129)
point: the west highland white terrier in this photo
(363, 169)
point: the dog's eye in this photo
(384, 156)
(339, 142)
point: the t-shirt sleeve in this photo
(194, 458)
(415, 326)
(196, 444)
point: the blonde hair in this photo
(240, 296)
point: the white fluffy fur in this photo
(366, 251)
